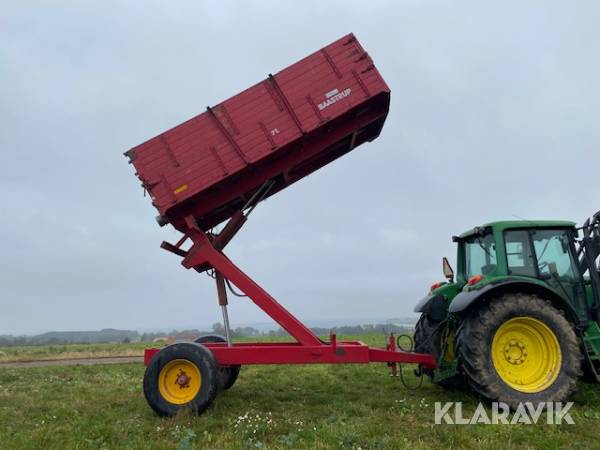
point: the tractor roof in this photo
(510, 224)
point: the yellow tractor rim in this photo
(526, 354)
(179, 381)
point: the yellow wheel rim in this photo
(179, 381)
(526, 354)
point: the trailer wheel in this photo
(427, 339)
(181, 376)
(519, 348)
(226, 375)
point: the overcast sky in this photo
(494, 116)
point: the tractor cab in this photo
(541, 254)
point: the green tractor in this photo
(520, 323)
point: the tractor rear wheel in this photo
(519, 348)
(428, 339)
(181, 376)
(226, 375)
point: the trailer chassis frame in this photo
(206, 254)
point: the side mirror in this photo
(447, 268)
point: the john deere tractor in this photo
(520, 322)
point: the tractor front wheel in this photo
(519, 348)
(181, 376)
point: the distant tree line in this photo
(125, 336)
(72, 337)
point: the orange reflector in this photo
(434, 286)
(474, 280)
(181, 188)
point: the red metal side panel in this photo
(281, 129)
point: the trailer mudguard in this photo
(465, 300)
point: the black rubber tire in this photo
(427, 339)
(196, 354)
(474, 343)
(226, 375)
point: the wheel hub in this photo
(179, 381)
(515, 352)
(182, 379)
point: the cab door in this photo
(557, 266)
(547, 254)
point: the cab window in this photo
(543, 253)
(480, 255)
(519, 254)
(553, 255)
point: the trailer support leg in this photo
(392, 347)
(222, 293)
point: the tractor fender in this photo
(465, 300)
(434, 305)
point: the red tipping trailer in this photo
(218, 166)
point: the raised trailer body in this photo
(281, 129)
(220, 164)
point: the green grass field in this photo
(319, 406)
(66, 351)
